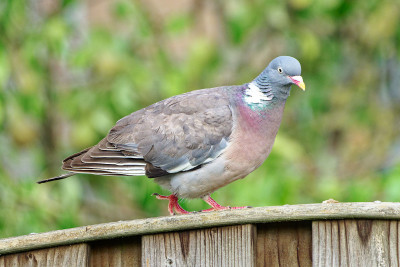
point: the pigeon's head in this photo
(284, 71)
(273, 84)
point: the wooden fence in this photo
(328, 234)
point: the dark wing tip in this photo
(63, 176)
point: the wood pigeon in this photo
(194, 143)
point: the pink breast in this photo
(253, 138)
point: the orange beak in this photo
(298, 80)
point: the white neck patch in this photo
(253, 95)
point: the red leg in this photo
(172, 204)
(216, 206)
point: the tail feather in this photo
(102, 159)
(63, 176)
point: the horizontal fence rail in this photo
(327, 234)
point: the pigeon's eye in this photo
(280, 70)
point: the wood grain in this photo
(223, 246)
(284, 244)
(381, 210)
(74, 255)
(116, 253)
(356, 243)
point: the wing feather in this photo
(177, 134)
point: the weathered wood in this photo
(381, 210)
(284, 244)
(223, 246)
(116, 253)
(74, 255)
(356, 243)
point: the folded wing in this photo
(177, 134)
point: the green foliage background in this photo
(70, 69)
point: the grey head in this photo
(276, 79)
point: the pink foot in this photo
(173, 204)
(216, 206)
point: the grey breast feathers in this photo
(177, 134)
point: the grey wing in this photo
(177, 134)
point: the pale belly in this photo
(197, 183)
(238, 161)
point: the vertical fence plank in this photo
(284, 244)
(117, 253)
(73, 255)
(223, 246)
(356, 243)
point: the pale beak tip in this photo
(302, 86)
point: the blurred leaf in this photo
(178, 24)
(54, 33)
(123, 9)
(23, 128)
(288, 148)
